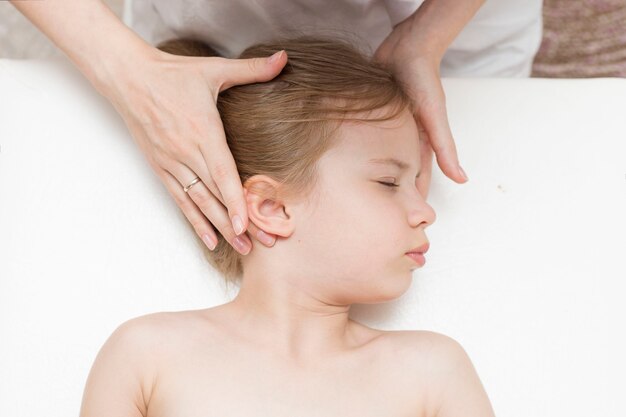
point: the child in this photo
(328, 154)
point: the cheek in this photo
(353, 239)
(367, 223)
(381, 226)
(332, 230)
(358, 221)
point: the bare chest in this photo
(239, 383)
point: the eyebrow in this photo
(403, 166)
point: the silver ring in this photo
(195, 180)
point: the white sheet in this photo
(525, 270)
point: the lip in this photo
(421, 249)
(417, 257)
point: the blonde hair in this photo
(281, 128)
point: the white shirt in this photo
(500, 41)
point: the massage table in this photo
(526, 268)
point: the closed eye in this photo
(388, 184)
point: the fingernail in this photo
(209, 242)
(241, 246)
(237, 224)
(463, 174)
(265, 238)
(274, 57)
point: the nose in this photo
(421, 213)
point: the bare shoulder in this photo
(147, 341)
(431, 351)
(455, 387)
(146, 335)
(436, 352)
(152, 325)
(424, 355)
(161, 334)
(125, 361)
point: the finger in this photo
(209, 205)
(223, 171)
(426, 160)
(267, 239)
(200, 169)
(434, 119)
(195, 217)
(217, 214)
(248, 70)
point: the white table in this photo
(526, 268)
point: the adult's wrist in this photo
(89, 34)
(111, 66)
(412, 41)
(436, 23)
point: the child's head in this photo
(303, 156)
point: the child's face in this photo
(356, 231)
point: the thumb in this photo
(251, 70)
(435, 123)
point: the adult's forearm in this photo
(88, 32)
(436, 23)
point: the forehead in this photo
(389, 140)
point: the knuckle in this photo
(431, 105)
(199, 227)
(223, 229)
(439, 103)
(253, 64)
(199, 196)
(226, 231)
(159, 143)
(230, 201)
(179, 149)
(169, 148)
(181, 200)
(159, 158)
(220, 170)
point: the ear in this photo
(265, 207)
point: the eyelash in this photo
(388, 184)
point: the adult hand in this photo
(169, 106)
(419, 72)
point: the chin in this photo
(395, 287)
